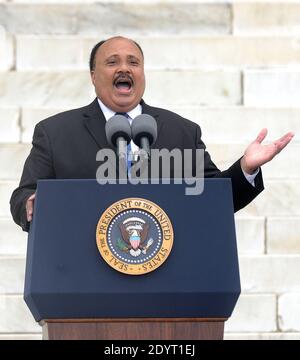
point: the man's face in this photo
(118, 75)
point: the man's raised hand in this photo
(258, 154)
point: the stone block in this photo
(12, 275)
(12, 159)
(9, 125)
(154, 18)
(224, 155)
(289, 312)
(250, 233)
(262, 336)
(161, 52)
(283, 235)
(272, 88)
(270, 273)
(280, 198)
(239, 124)
(74, 89)
(265, 18)
(16, 317)
(253, 313)
(6, 189)
(215, 87)
(13, 241)
(45, 89)
(6, 50)
(116, 18)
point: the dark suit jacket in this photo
(65, 147)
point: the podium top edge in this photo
(108, 180)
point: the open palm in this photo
(258, 154)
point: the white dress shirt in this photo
(108, 113)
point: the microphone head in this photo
(117, 126)
(144, 125)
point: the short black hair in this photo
(96, 47)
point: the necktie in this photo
(129, 155)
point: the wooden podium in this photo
(74, 294)
(133, 329)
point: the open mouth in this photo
(124, 85)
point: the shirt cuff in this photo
(251, 177)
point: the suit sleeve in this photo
(242, 191)
(38, 165)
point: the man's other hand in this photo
(257, 154)
(29, 207)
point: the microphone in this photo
(144, 132)
(118, 134)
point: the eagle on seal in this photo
(134, 232)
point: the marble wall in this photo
(231, 66)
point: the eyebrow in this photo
(133, 57)
(116, 56)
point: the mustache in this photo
(123, 77)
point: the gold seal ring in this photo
(134, 236)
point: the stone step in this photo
(117, 18)
(6, 189)
(270, 273)
(172, 52)
(218, 124)
(221, 88)
(280, 198)
(12, 159)
(74, 89)
(151, 17)
(241, 124)
(243, 319)
(272, 88)
(13, 241)
(224, 155)
(283, 235)
(253, 313)
(262, 336)
(24, 336)
(15, 316)
(259, 274)
(9, 124)
(289, 312)
(58, 89)
(262, 88)
(6, 48)
(12, 275)
(266, 18)
(13, 156)
(250, 234)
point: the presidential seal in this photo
(134, 236)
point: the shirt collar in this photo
(108, 113)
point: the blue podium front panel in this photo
(67, 278)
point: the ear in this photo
(93, 77)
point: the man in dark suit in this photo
(65, 145)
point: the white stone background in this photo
(233, 67)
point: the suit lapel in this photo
(94, 122)
(146, 109)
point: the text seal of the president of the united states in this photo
(134, 236)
